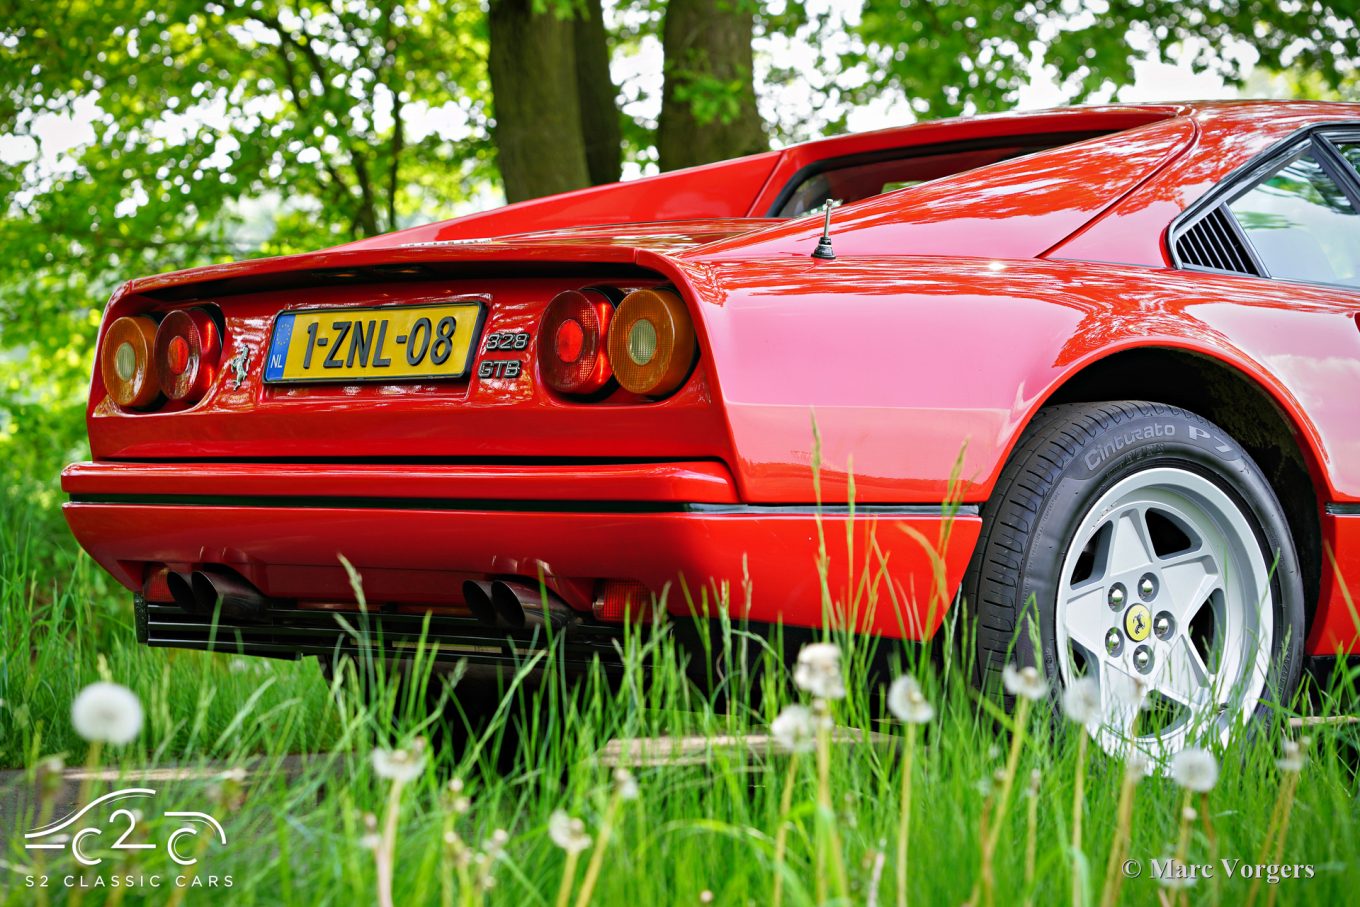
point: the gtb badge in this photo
(500, 368)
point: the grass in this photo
(696, 833)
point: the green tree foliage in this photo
(220, 131)
(949, 57)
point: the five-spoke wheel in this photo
(1141, 547)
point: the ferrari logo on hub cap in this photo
(1138, 623)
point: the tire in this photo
(1141, 546)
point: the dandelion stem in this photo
(387, 845)
(993, 836)
(87, 786)
(1114, 877)
(1078, 813)
(597, 857)
(829, 839)
(1183, 839)
(781, 834)
(1273, 848)
(568, 878)
(1213, 842)
(904, 821)
(1031, 836)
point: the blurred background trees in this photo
(138, 137)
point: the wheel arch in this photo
(1253, 414)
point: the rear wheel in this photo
(1143, 548)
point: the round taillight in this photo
(570, 347)
(126, 363)
(188, 350)
(651, 342)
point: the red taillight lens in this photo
(620, 600)
(651, 342)
(188, 350)
(126, 363)
(570, 347)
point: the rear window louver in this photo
(1213, 242)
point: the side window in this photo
(1301, 223)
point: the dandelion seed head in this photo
(1081, 701)
(818, 671)
(1195, 769)
(705, 897)
(1175, 875)
(1024, 683)
(399, 765)
(795, 729)
(107, 713)
(1137, 765)
(907, 703)
(1292, 761)
(567, 832)
(1189, 814)
(625, 785)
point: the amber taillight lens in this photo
(651, 342)
(188, 351)
(126, 363)
(571, 342)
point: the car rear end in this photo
(443, 422)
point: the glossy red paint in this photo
(952, 312)
(1336, 626)
(423, 556)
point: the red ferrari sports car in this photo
(1092, 372)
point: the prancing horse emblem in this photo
(238, 365)
(1138, 622)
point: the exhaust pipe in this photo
(227, 591)
(478, 598)
(518, 606)
(182, 591)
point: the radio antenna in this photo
(824, 250)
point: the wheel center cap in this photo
(1138, 622)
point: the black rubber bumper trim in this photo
(1343, 509)
(514, 506)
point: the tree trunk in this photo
(599, 101)
(538, 137)
(708, 101)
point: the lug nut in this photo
(1163, 626)
(1147, 586)
(1114, 642)
(1142, 659)
(1117, 597)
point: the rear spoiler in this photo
(409, 263)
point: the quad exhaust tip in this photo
(207, 591)
(478, 598)
(513, 605)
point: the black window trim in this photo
(1043, 141)
(1318, 138)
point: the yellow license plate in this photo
(391, 343)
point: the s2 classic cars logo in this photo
(86, 838)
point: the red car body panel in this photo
(952, 312)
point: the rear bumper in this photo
(415, 533)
